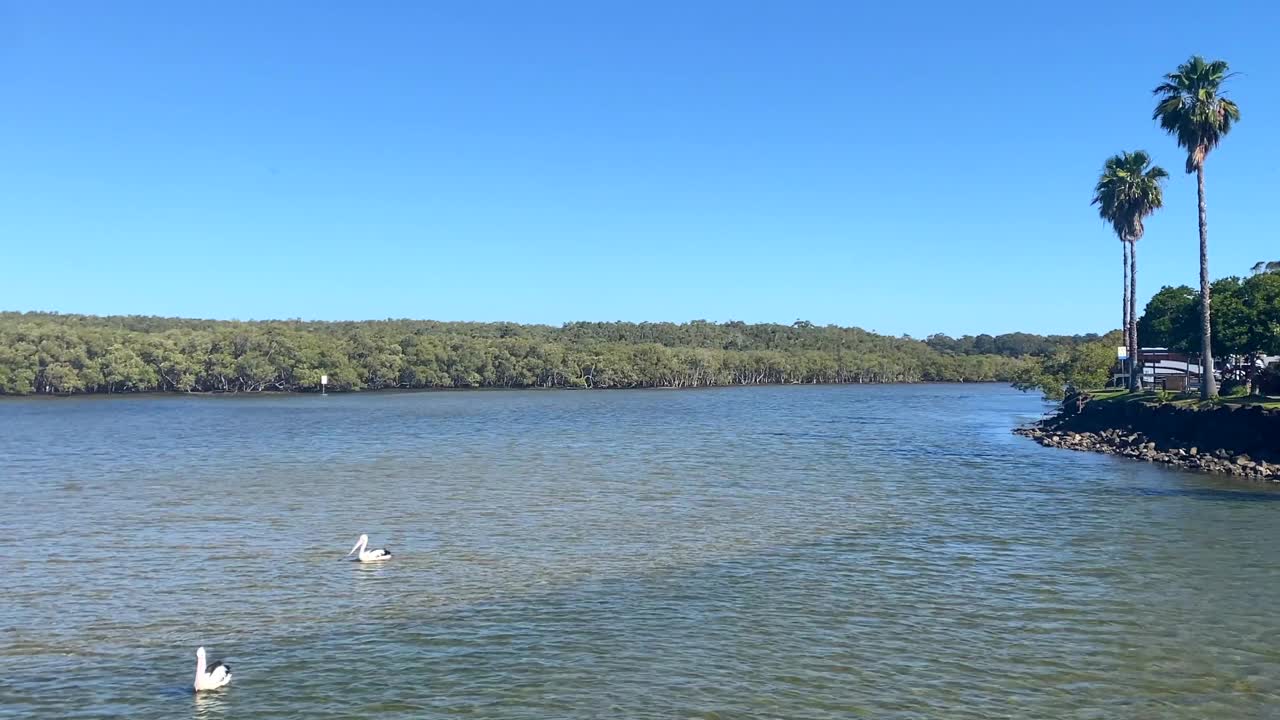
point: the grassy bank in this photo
(1184, 400)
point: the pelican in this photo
(367, 555)
(214, 677)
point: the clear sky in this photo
(905, 167)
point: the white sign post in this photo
(1122, 353)
(324, 380)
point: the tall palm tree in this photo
(1192, 107)
(1128, 191)
(1124, 329)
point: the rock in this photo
(1136, 445)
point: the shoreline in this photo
(1137, 446)
(1230, 441)
(482, 389)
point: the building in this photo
(1164, 369)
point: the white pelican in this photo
(214, 677)
(367, 555)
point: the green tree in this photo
(1193, 108)
(1169, 318)
(175, 369)
(1261, 296)
(125, 370)
(1231, 317)
(1247, 321)
(1080, 367)
(1127, 192)
(19, 366)
(61, 377)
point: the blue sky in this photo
(904, 167)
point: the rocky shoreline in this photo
(1137, 446)
(1233, 440)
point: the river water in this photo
(785, 552)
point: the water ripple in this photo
(886, 552)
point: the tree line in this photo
(63, 354)
(1016, 344)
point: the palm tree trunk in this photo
(1124, 328)
(1208, 387)
(1135, 375)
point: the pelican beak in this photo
(353, 550)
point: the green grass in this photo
(1153, 397)
(1271, 403)
(1114, 395)
(1106, 394)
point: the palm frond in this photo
(1191, 106)
(1128, 190)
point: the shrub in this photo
(1268, 381)
(1234, 388)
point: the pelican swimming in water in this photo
(367, 555)
(212, 678)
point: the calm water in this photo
(796, 552)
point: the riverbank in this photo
(1239, 440)
(272, 392)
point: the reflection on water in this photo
(210, 705)
(816, 552)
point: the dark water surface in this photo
(791, 552)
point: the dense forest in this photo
(60, 354)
